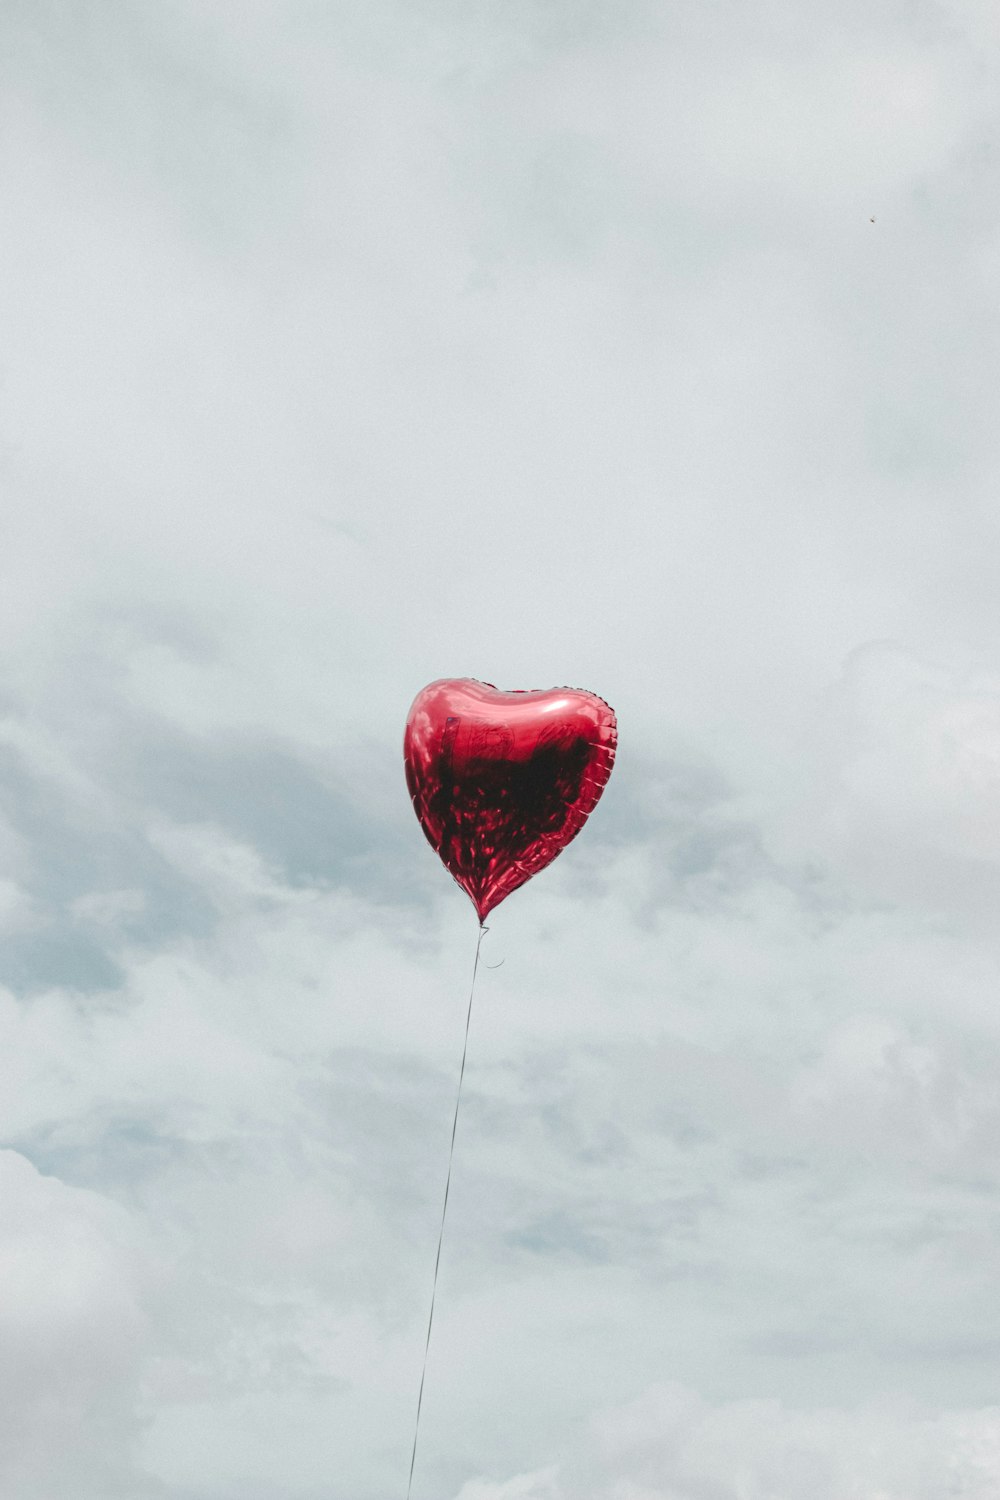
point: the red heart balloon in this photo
(502, 781)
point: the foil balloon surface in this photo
(501, 782)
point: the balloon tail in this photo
(483, 930)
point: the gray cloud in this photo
(544, 344)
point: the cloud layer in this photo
(646, 349)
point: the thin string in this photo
(444, 1208)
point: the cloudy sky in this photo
(649, 347)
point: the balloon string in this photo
(483, 930)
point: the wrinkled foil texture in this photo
(501, 782)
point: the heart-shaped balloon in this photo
(502, 781)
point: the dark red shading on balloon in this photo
(501, 782)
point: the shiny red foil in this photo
(502, 781)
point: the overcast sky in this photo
(650, 347)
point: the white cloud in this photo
(545, 344)
(75, 1271)
(669, 1444)
(673, 1445)
(905, 788)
